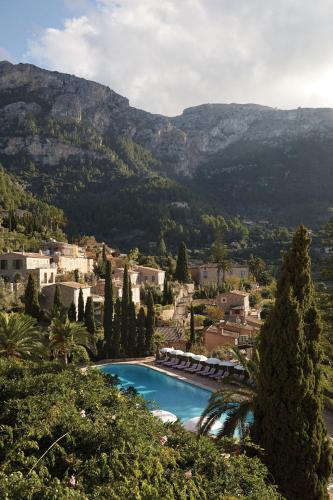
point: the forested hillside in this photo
(25, 220)
(130, 177)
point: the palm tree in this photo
(236, 404)
(219, 254)
(19, 336)
(65, 336)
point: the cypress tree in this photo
(80, 315)
(31, 303)
(288, 421)
(170, 294)
(165, 297)
(150, 323)
(104, 253)
(192, 328)
(132, 333)
(141, 329)
(116, 334)
(162, 247)
(108, 308)
(72, 312)
(182, 273)
(89, 317)
(125, 311)
(57, 302)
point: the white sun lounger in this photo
(191, 368)
(210, 372)
(183, 367)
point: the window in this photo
(3, 264)
(51, 280)
(17, 264)
(205, 275)
(224, 300)
(153, 279)
(45, 277)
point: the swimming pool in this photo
(182, 398)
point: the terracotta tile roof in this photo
(171, 333)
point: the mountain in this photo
(123, 173)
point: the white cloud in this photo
(165, 55)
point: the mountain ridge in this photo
(64, 135)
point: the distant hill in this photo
(119, 172)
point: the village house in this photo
(210, 274)
(16, 267)
(67, 257)
(69, 292)
(229, 334)
(142, 275)
(134, 276)
(234, 303)
(98, 289)
(150, 276)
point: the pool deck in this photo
(203, 382)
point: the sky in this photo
(167, 55)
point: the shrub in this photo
(110, 445)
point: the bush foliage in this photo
(110, 446)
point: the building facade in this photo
(16, 266)
(211, 274)
(234, 303)
(69, 292)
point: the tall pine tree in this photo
(89, 321)
(80, 314)
(132, 332)
(192, 327)
(116, 334)
(141, 329)
(89, 317)
(31, 303)
(150, 324)
(288, 421)
(108, 308)
(165, 296)
(57, 301)
(72, 312)
(182, 273)
(124, 311)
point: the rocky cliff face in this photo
(56, 120)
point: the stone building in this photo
(16, 266)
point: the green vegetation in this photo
(108, 309)
(19, 336)
(31, 303)
(182, 273)
(80, 308)
(150, 325)
(237, 403)
(288, 407)
(72, 312)
(69, 434)
(124, 311)
(65, 338)
(24, 218)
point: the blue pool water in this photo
(183, 399)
